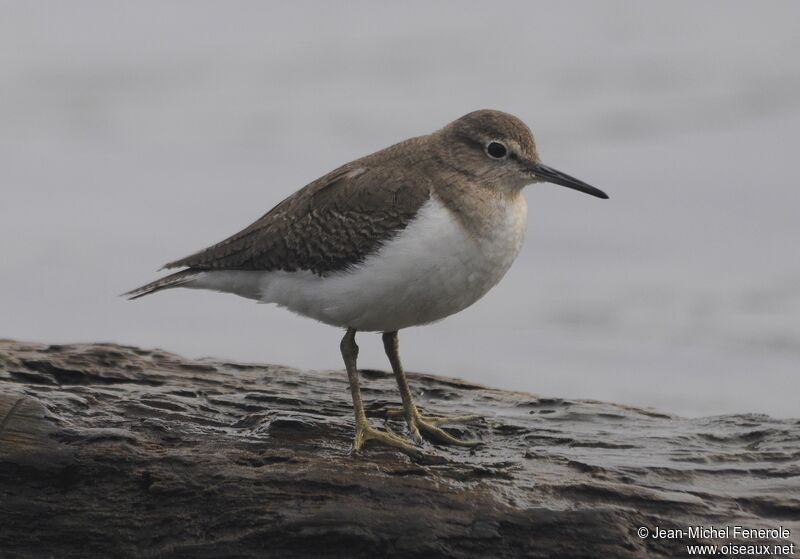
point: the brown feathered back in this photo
(331, 224)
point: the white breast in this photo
(430, 270)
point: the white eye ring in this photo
(496, 150)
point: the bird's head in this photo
(497, 149)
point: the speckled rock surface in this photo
(113, 451)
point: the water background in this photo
(133, 133)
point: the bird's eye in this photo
(496, 150)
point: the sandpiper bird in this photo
(402, 237)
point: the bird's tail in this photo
(173, 280)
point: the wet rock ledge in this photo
(113, 451)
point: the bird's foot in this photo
(427, 426)
(436, 419)
(365, 432)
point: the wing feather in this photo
(330, 225)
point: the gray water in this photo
(135, 133)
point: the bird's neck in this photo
(481, 209)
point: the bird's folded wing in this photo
(330, 225)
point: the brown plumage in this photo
(332, 223)
(329, 225)
(335, 222)
(421, 230)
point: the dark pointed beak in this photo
(548, 174)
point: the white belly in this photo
(430, 270)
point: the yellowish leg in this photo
(364, 431)
(418, 424)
